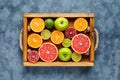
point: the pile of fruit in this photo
(53, 39)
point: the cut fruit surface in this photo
(57, 37)
(76, 57)
(80, 24)
(70, 32)
(37, 24)
(66, 42)
(48, 52)
(45, 34)
(34, 40)
(33, 56)
(80, 43)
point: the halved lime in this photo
(76, 57)
(45, 34)
(66, 42)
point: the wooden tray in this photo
(87, 60)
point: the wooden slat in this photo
(59, 64)
(25, 39)
(92, 39)
(53, 15)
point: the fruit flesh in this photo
(80, 43)
(48, 52)
(34, 40)
(45, 34)
(57, 37)
(80, 24)
(33, 56)
(37, 24)
(66, 42)
(70, 32)
(76, 57)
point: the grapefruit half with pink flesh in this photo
(33, 56)
(70, 32)
(48, 52)
(80, 43)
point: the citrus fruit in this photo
(70, 32)
(37, 24)
(48, 52)
(57, 37)
(61, 23)
(66, 42)
(34, 40)
(65, 54)
(49, 23)
(76, 57)
(33, 56)
(80, 43)
(45, 34)
(80, 24)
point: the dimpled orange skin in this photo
(34, 40)
(57, 37)
(37, 24)
(80, 24)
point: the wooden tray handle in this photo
(21, 39)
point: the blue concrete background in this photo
(107, 57)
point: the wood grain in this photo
(54, 15)
(59, 64)
(92, 39)
(25, 39)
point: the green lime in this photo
(45, 34)
(49, 23)
(76, 57)
(66, 42)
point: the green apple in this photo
(65, 54)
(61, 23)
(49, 23)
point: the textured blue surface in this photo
(107, 57)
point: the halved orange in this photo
(80, 24)
(57, 37)
(34, 40)
(37, 24)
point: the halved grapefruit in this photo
(80, 43)
(33, 56)
(48, 52)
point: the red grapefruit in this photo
(70, 32)
(80, 43)
(33, 56)
(48, 52)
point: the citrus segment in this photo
(76, 57)
(45, 34)
(80, 24)
(34, 40)
(80, 43)
(57, 37)
(66, 42)
(48, 52)
(37, 24)
(33, 56)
